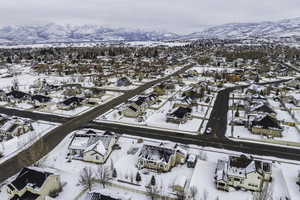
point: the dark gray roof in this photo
(30, 176)
(181, 112)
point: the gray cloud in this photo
(171, 15)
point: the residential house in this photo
(123, 82)
(70, 103)
(18, 96)
(242, 172)
(257, 89)
(72, 91)
(94, 93)
(161, 157)
(33, 184)
(265, 125)
(40, 100)
(261, 108)
(137, 108)
(91, 146)
(14, 127)
(179, 115)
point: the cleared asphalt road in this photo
(201, 140)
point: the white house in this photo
(91, 146)
(242, 172)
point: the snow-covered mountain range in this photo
(50, 33)
(282, 28)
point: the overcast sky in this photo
(181, 16)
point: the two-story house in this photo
(161, 157)
(242, 172)
(34, 184)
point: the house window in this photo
(236, 179)
(97, 158)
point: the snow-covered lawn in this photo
(16, 144)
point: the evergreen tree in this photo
(138, 177)
(153, 182)
(114, 174)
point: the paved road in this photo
(49, 141)
(34, 115)
(217, 122)
(201, 140)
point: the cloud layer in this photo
(179, 16)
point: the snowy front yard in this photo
(12, 146)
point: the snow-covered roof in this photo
(156, 153)
(239, 167)
(89, 140)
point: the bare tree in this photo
(152, 191)
(86, 178)
(193, 192)
(181, 195)
(265, 194)
(102, 175)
